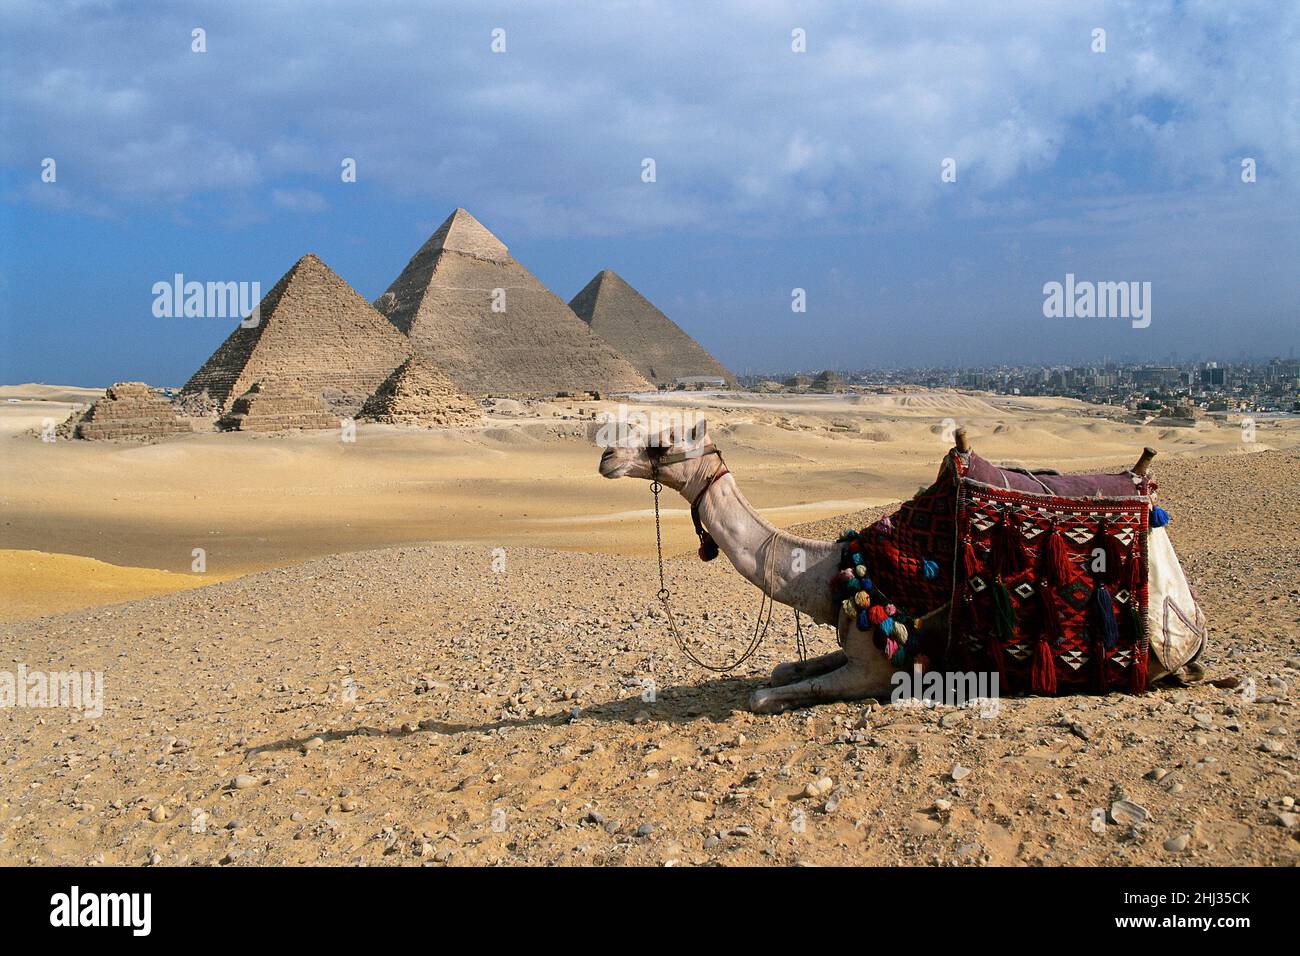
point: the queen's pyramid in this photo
(418, 394)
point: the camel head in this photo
(682, 452)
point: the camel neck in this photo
(793, 570)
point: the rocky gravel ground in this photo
(417, 706)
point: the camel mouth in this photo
(612, 467)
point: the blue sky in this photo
(775, 169)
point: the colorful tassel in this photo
(848, 535)
(885, 525)
(887, 626)
(890, 610)
(708, 548)
(1159, 517)
(862, 599)
(875, 614)
(860, 570)
(891, 647)
(867, 584)
(969, 561)
(847, 607)
(856, 559)
(929, 569)
(842, 578)
(864, 620)
(1108, 627)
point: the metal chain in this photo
(766, 604)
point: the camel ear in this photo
(700, 432)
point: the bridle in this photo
(709, 551)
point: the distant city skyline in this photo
(913, 175)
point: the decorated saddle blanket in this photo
(1047, 577)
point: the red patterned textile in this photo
(1051, 592)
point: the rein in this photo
(709, 551)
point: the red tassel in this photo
(1099, 648)
(969, 559)
(1051, 614)
(1058, 558)
(1000, 662)
(1043, 676)
(1138, 672)
(1135, 575)
(1008, 550)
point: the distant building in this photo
(700, 381)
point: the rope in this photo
(764, 608)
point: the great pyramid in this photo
(314, 329)
(650, 340)
(274, 405)
(417, 394)
(131, 410)
(485, 320)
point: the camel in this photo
(790, 569)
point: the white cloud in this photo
(748, 136)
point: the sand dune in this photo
(34, 583)
(526, 478)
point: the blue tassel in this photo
(900, 657)
(856, 557)
(848, 535)
(864, 622)
(1106, 617)
(1159, 517)
(887, 626)
(929, 569)
(867, 585)
(854, 585)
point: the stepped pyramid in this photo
(277, 405)
(417, 394)
(534, 344)
(315, 330)
(131, 410)
(651, 341)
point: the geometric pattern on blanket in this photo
(1049, 591)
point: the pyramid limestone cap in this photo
(462, 233)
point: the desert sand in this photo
(358, 683)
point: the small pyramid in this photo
(418, 394)
(274, 405)
(651, 341)
(477, 314)
(313, 328)
(130, 410)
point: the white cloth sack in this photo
(1175, 623)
